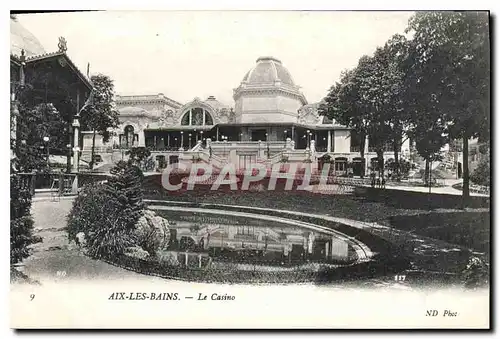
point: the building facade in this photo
(270, 122)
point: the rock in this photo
(80, 239)
(152, 232)
(136, 252)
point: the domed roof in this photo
(21, 38)
(268, 70)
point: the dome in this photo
(268, 70)
(21, 38)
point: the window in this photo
(128, 138)
(197, 117)
(340, 164)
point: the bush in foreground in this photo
(107, 213)
(21, 222)
(482, 174)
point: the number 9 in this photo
(32, 296)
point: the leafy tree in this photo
(343, 104)
(100, 115)
(371, 77)
(451, 55)
(393, 57)
(33, 125)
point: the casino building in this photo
(271, 122)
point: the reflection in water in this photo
(246, 240)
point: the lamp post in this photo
(68, 146)
(182, 142)
(308, 138)
(267, 146)
(189, 140)
(224, 140)
(46, 140)
(201, 132)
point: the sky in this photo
(201, 53)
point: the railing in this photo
(164, 149)
(56, 182)
(254, 145)
(107, 149)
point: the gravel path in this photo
(55, 254)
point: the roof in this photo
(268, 70)
(160, 97)
(49, 56)
(22, 39)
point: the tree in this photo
(100, 116)
(33, 125)
(395, 53)
(451, 54)
(429, 141)
(427, 125)
(108, 213)
(372, 84)
(343, 105)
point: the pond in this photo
(232, 238)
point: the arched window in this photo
(197, 117)
(128, 138)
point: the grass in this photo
(344, 206)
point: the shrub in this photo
(482, 174)
(21, 222)
(107, 213)
(152, 232)
(476, 273)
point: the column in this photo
(217, 136)
(204, 117)
(333, 141)
(168, 139)
(187, 257)
(154, 142)
(76, 148)
(329, 142)
(327, 248)
(190, 117)
(141, 141)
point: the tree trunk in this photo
(396, 160)
(380, 156)
(362, 155)
(91, 164)
(465, 172)
(70, 143)
(427, 171)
